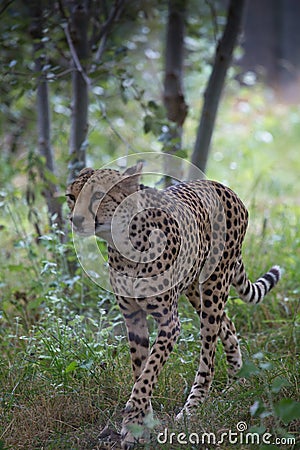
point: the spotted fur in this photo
(202, 225)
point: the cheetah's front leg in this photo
(138, 406)
(138, 338)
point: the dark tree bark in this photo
(212, 95)
(77, 35)
(173, 86)
(261, 38)
(271, 44)
(43, 117)
(80, 47)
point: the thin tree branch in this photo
(86, 78)
(74, 55)
(106, 27)
(5, 6)
(101, 49)
(61, 9)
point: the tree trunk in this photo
(44, 120)
(80, 51)
(173, 87)
(216, 81)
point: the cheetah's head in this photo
(95, 195)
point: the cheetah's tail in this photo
(255, 292)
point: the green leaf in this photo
(33, 304)
(150, 422)
(287, 410)
(71, 367)
(15, 267)
(50, 176)
(152, 105)
(182, 153)
(278, 384)
(257, 408)
(136, 430)
(2, 445)
(258, 355)
(248, 369)
(266, 365)
(87, 364)
(148, 123)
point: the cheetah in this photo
(184, 239)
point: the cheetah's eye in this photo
(71, 197)
(98, 195)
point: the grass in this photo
(64, 370)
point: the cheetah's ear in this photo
(88, 171)
(81, 178)
(132, 177)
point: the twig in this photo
(101, 49)
(75, 56)
(7, 428)
(5, 6)
(115, 131)
(62, 11)
(102, 35)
